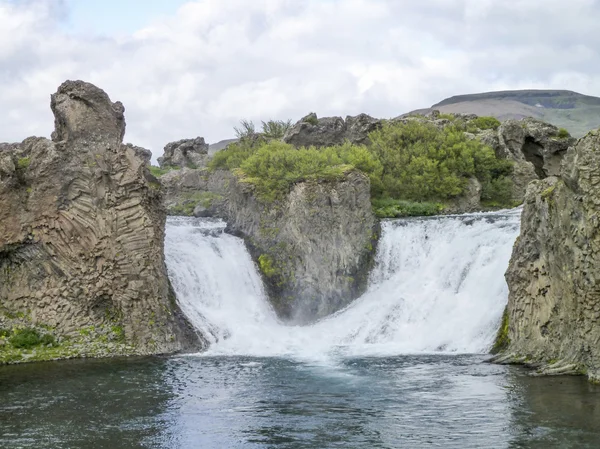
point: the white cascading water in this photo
(437, 286)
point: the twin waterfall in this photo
(437, 286)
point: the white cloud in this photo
(214, 62)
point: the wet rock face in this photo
(191, 153)
(82, 229)
(554, 300)
(328, 131)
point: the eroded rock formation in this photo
(328, 131)
(192, 153)
(553, 314)
(535, 147)
(314, 248)
(82, 228)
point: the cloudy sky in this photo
(195, 68)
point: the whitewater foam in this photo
(437, 286)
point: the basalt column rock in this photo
(553, 314)
(82, 229)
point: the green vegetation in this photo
(485, 123)
(312, 119)
(158, 172)
(23, 163)
(267, 265)
(189, 201)
(563, 133)
(28, 338)
(275, 129)
(390, 208)
(502, 340)
(423, 163)
(450, 117)
(414, 167)
(245, 129)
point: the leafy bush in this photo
(485, 123)
(563, 133)
(28, 338)
(413, 166)
(423, 163)
(246, 129)
(275, 129)
(450, 117)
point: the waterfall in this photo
(437, 286)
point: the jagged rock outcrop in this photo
(82, 229)
(535, 147)
(553, 313)
(328, 131)
(314, 247)
(192, 153)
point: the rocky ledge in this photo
(82, 269)
(552, 322)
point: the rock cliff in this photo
(314, 248)
(81, 233)
(553, 315)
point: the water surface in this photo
(230, 402)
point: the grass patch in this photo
(158, 171)
(563, 133)
(391, 208)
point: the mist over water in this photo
(437, 286)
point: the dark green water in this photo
(195, 402)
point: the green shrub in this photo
(23, 163)
(275, 129)
(563, 133)
(423, 163)
(312, 119)
(391, 208)
(485, 123)
(246, 129)
(450, 117)
(28, 338)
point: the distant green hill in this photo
(566, 109)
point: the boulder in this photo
(192, 153)
(328, 131)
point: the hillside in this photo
(566, 109)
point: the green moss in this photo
(563, 133)
(502, 340)
(548, 192)
(267, 266)
(23, 163)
